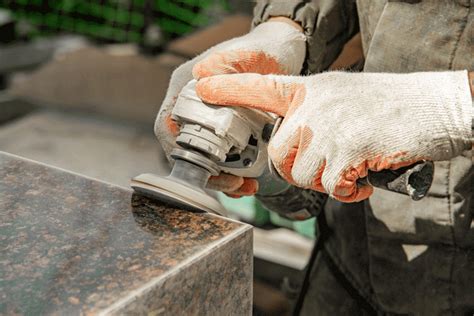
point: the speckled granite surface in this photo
(71, 245)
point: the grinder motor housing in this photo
(228, 138)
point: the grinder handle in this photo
(414, 180)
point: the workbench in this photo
(73, 245)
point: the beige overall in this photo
(406, 257)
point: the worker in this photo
(383, 253)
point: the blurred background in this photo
(80, 85)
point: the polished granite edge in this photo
(225, 289)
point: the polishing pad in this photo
(176, 193)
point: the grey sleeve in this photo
(327, 24)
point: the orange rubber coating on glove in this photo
(285, 159)
(347, 189)
(237, 61)
(172, 126)
(233, 186)
(225, 182)
(249, 187)
(251, 91)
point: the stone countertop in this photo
(73, 245)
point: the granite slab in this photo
(71, 245)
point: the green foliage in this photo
(115, 20)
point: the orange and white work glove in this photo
(270, 48)
(339, 125)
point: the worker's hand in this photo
(270, 48)
(339, 125)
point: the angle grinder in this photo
(214, 139)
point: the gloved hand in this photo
(270, 48)
(339, 125)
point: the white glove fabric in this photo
(339, 125)
(270, 48)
